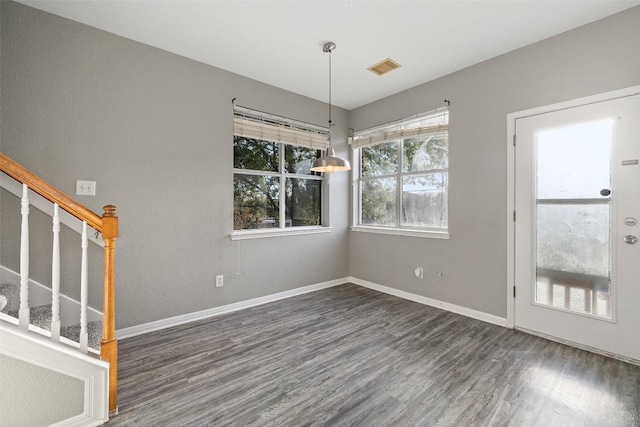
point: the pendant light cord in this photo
(330, 122)
(329, 162)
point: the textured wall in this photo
(598, 57)
(155, 131)
(35, 396)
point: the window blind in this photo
(431, 123)
(259, 125)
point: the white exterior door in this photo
(577, 200)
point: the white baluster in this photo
(55, 277)
(84, 336)
(24, 261)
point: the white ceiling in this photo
(280, 42)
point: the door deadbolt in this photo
(630, 239)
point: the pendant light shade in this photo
(330, 163)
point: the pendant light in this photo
(330, 163)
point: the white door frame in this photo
(511, 128)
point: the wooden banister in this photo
(49, 192)
(108, 226)
(109, 344)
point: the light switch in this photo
(85, 188)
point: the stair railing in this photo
(107, 225)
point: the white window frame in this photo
(262, 126)
(397, 131)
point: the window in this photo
(403, 174)
(273, 185)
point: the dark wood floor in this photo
(349, 356)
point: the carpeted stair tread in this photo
(7, 291)
(94, 328)
(40, 316)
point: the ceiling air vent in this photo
(384, 66)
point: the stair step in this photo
(41, 315)
(7, 291)
(94, 329)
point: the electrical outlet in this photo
(85, 188)
(219, 281)
(419, 272)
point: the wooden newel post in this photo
(109, 344)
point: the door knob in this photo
(605, 192)
(630, 239)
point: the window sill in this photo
(277, 232)
(402, 232)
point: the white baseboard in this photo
(144, 328)
(464, 311)
(40, 294)
(157, 325)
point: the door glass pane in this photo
(573, 248)
(574, 161)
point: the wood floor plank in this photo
(349, 356)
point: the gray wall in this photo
(35, 396)
(598, 57)
(155, 131)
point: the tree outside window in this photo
(271, 175)
(404, 181)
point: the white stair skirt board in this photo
(40, 294)
(47, 334)
(40, 351)
(464, 311)
(216, 311)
